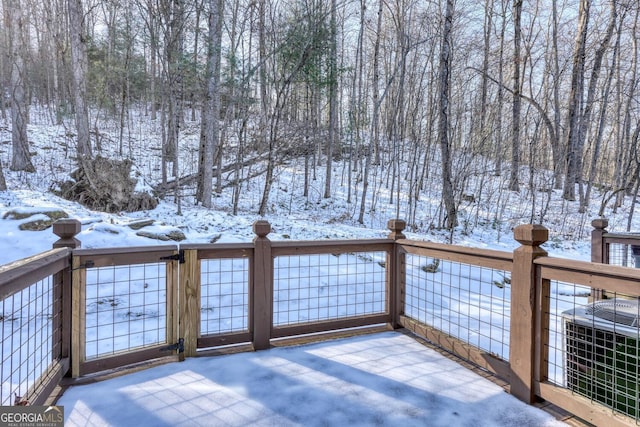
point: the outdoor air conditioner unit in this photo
(602, 353)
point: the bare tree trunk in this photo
(124, 98)
(5, 39)
(212, 101)
(515, 137)
(443, 120)
(375, 116)
(199, 8)
(174, 17)
(574, 144)
(356, 103)
(597, 143)
(21, 159)
(262, 57)
(243, 109)
(500, 95)
(488, 29)
(634, 197)
(593, 81)
(628, 156)
(305, 56)
(557, 150)
(153, 58)
(79, 67)
(398, 124)
(333, 99)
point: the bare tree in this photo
(173, 16)
(515, 130)
(333, 97)
(79, 67)
(4, 45)
(600, 128)
(500, 95)
(21, 159)
(300, 49)
(628, 153)
(574, 143)
(591, 92)
(355, 102)
(375, 132)
(211, 110)
(443, 120)
(557, 150)
(262, 53)
(488, 30)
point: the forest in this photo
(426, 98)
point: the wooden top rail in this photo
(220, 250)
(627, 238)
(20, 274)
(613, 278)
(307, 247)
(124, 256)
(481, 257)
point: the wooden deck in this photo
(558, 413)
(551, 409)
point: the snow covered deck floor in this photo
(383, 379)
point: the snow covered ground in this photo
(385, 379)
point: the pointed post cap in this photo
(600, 223)
(396, 226)
(66, 229)
(531, 234)
(261, 228)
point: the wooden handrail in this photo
(482, 257)
(20, 274)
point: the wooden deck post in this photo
(262, 286)
(189, 310)
(599, 252)
(66, 229)
(396, 273)
(524, 294)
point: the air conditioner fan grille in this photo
(617, 311)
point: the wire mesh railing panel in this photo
(224, 302)
(321, 287)
(623, 254)
(27, 347)
(126, 308)
(465, 301)
(594, 348)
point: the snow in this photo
(385, 379)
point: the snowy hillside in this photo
(485, 221)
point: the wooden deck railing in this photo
(613, 248)
(621, 249)
(35, 330)
(506, 312)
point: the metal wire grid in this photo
(126, 308)
(224, 302)
(623, 254)
(26, 347)
(465, 301)
(320, 287)
(591, 357)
